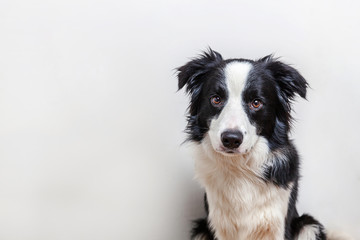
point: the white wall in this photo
(91, 124)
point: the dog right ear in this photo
(191, 73)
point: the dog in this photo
(239, 118)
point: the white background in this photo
(91, 123)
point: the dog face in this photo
(236, 102)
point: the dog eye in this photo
(256, 104)
(215, 100)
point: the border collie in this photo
(239, 118)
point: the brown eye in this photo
(215, 100)
(256, 104)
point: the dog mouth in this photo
(230, 151)
(227, 151)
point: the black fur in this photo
(276, 85)
(281, 173)
(298, 223)
(201, 226)
(199, 74)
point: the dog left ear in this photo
(288, 78)
(190, 73)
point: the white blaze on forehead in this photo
(233, 115)
(236, 74)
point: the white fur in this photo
(241, 204)
(233, 116)
(308, 232)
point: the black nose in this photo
(231, 139)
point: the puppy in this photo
(239, 119)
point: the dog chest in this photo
(242, 207)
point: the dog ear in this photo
(288, 78)
(190, 73)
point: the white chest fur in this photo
(242, 206)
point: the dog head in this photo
(236, 102)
